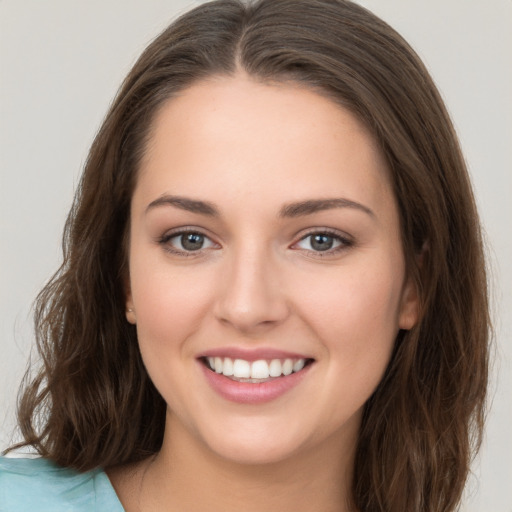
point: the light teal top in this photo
(38, 485)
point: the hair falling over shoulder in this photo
(92, 404)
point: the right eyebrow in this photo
(185, 203)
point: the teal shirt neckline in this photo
(39, 485)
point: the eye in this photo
(323, 242)
(186, 242)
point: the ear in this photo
(410, 301)
(409, 306)
(130, 308)
(130, 313)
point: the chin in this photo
(247, 441)
(261, 442)
(254, 452)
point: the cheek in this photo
(169, 305)
(170, 308)
(355, 316)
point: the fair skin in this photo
(293, 246)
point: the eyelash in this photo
(165, 239)
(344, 242)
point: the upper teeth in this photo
(261, 369)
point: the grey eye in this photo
(320, 242)
(189, 242)
(192, 241)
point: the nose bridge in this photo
(250, 294)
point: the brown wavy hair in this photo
(92, 403)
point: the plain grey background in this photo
(61, 62)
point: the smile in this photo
(251, 379)
(256, 371)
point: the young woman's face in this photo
(265, 240)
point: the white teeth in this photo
(287, 367)
(298, 365)
(261, 369)
(227, 367)
(241, 369)
(275, 368)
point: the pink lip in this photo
(251, 354)
(252, 393)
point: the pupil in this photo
(322, 242)
(192, 241)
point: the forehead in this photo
(234, 136)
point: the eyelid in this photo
(346, 240)
(183, 230)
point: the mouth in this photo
(255, 372)
(254, 376)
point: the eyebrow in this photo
(316, 205)
(187, 204)
(297, 209)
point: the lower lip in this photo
(252, 393)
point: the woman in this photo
(273, 295)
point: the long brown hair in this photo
(92, 403)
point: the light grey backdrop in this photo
(60, 65)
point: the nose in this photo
(251, 297)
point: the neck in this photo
(187, 475)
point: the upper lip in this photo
(254, 354)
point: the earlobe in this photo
(130, 315)
(411, 303)
(130, 309)
(410, 306)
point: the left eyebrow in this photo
(308, 207)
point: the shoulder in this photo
(38, 485)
